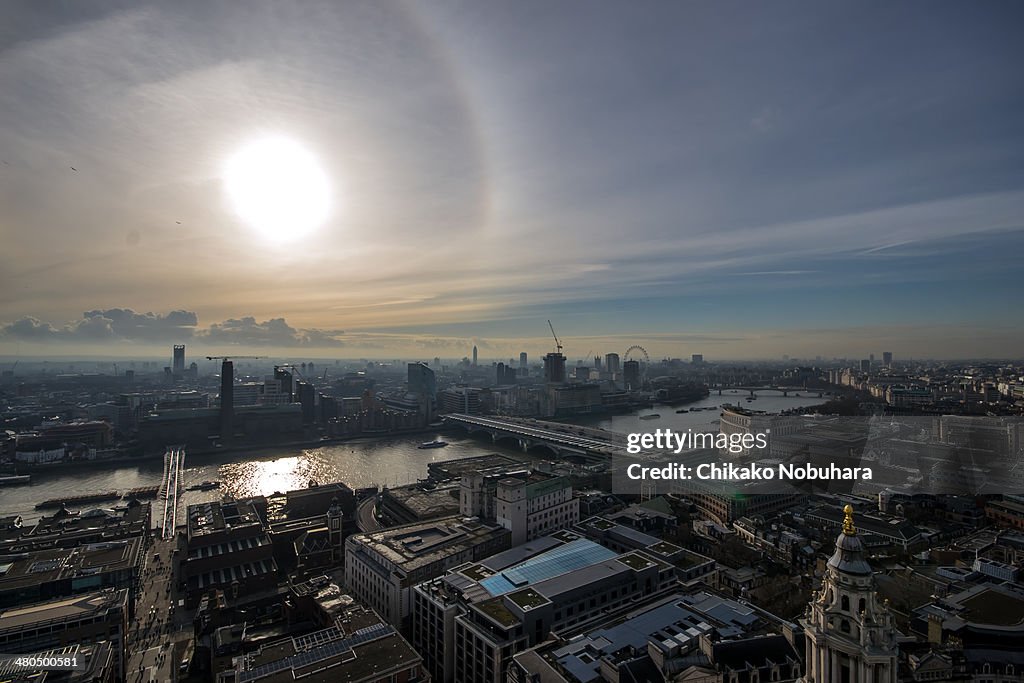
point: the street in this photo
(159, 631)
(365, 517)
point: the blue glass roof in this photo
(571, 556)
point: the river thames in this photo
(359, 463)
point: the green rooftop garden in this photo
(528, 598)
(496, 610)
(687, 560)
(476, 572)
(665, 548)
(635, 561)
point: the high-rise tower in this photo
(286, 380)
(474, 355)
(178, 364)
(554, 368)
(631, 375)
(422, 380)
(227, 401)
(850, 637)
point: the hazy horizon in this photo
(737, 180)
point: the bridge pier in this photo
(785, 393)
(752, 393)
(719, 392)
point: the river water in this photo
(705, 420)
(390, 461)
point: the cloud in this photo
(28, 329)
(247, 331)
(127, 324)
(90, 329)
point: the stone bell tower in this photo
(850, 636)
(335, 521)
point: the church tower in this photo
(335, 521)
(850, 637)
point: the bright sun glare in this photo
(278, 188)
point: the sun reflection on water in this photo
(265, 477)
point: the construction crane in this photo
(558, 344)
(294, 369)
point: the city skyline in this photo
(734, 180)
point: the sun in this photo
(278, 188)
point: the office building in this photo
(64, 529)
(89, 618)
(178, 363)
(99, 662)
(247, 394)
(381, 568)
(523, 365)
(474, 355)
(469, 623)
(697, 358)
(305, 395)
(631, 375)
(865, 365)
(421, 380)
(573, 399)
(887, 358)
(478, 488)
(284, 377)
(357, 647)
(693, 636)
(611, 363)
(460, 400)
(534, 505)
(37, 575)
(504, 374)
(624, 531)
(554, 368)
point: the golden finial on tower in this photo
(848, 528)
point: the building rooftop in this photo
(673, 625)
(415, 545)
(66, 609)
(566, 558)
(870, 526)
(99, 659)
(427, 503)
(208, 518)
(453, 469)
(355, 648)
(45, 566)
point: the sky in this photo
(742, 180)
